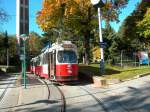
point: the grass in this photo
(3, 66)
(112, 72)
(10, 69)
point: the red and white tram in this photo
(58, 62)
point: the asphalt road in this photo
(129, 96)
(6, 81)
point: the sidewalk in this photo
(32, 99)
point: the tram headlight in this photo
(69, 68)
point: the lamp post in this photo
(97, 3)
(23, 38)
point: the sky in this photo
(35, 5)
(10, 7)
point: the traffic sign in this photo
(22, 57)
(102, 44)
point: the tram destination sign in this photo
(68, 46)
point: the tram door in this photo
(52, 64)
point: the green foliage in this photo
(130, 34)
(2, 49)
(12, 49)
(112, 42)
(144, 25)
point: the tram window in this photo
(39, 61)
(46, 58)
(43, 59)
(67, 57)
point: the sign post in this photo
(23, 38)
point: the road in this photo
(6, 81)
(129, 96)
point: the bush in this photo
(12, 69)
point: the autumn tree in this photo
(96, 54)
(77, 16)
(71, 15)
(34, 44)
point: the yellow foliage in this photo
(51, 13)
(96, 54)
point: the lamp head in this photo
(23, 36)
(98, 3)
(95, 2)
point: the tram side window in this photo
(38, 61)
(45, 59)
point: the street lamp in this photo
(97, 3)
(23, 38)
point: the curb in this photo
(20, 96)
(99, 81)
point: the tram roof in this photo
(58, 46)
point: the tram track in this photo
(63, 101)
(95, 98)
(5, 90)
(63, 107)
(100, 102)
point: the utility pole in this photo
(7, 48)
(99, 3)
(101, 42)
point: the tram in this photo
(57, 62)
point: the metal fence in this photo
(126, 58)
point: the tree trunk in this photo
(86, 47)
(87, 38)
(7, 57)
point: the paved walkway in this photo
(32, 99)
(129, 96)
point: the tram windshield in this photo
(67, 57)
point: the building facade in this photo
(22, 18)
